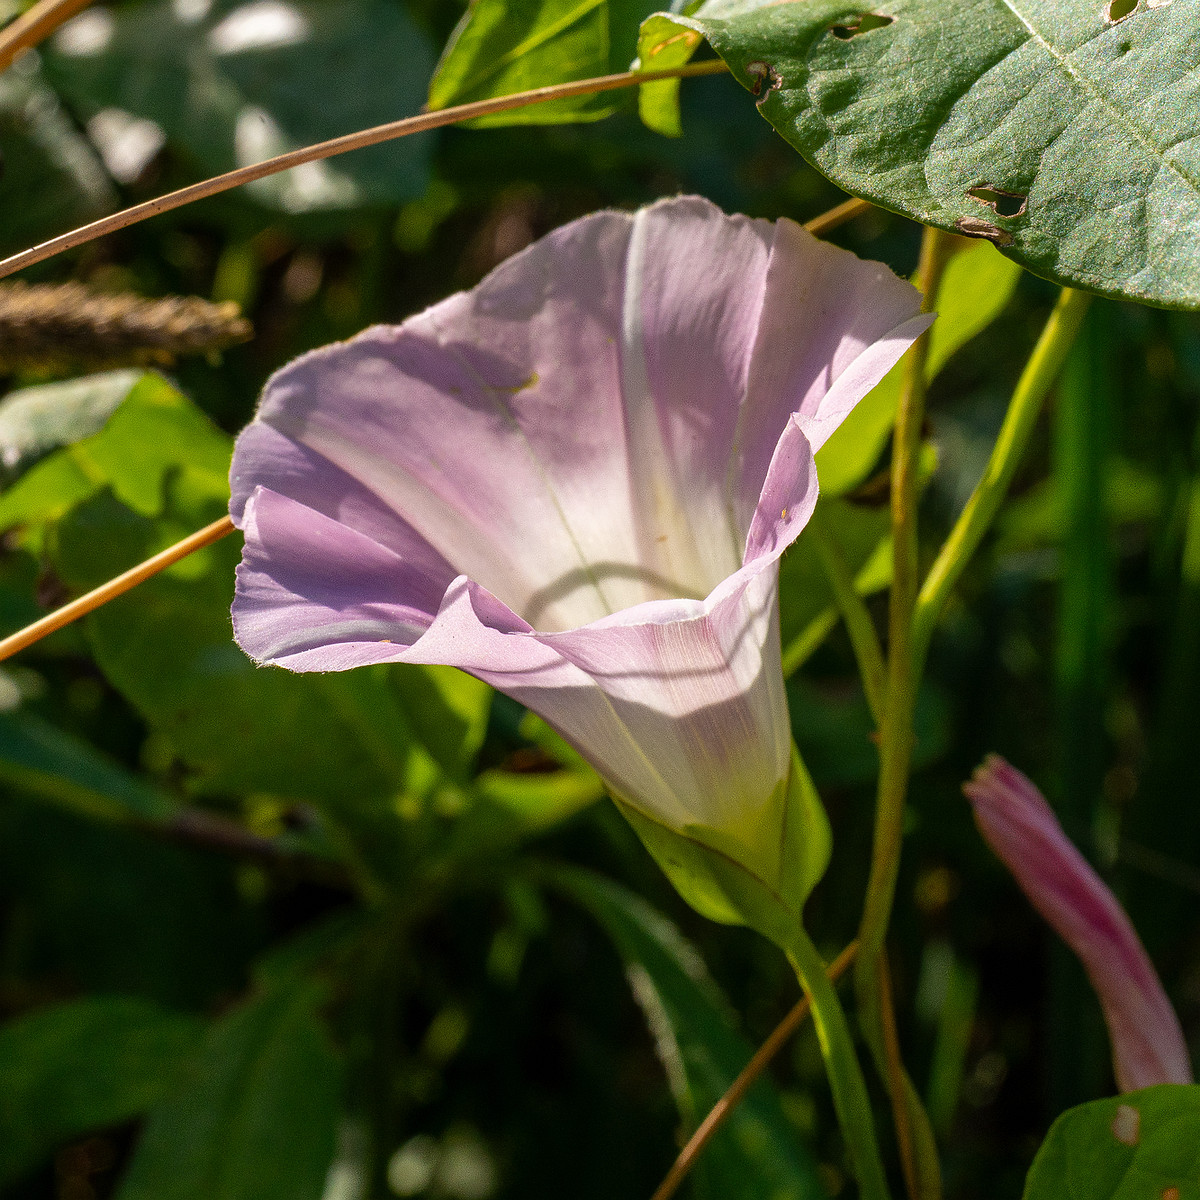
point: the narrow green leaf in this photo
(976, 286)
(52, 765)
(83, 1066)
(1064, 137)
(756, 1153)
(52, 177)
(1141, 1146)
(506, 46)
(256, 1113)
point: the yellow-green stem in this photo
(850, 1097)
(896, 732)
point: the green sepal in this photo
(718, 877)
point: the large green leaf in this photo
(505, 46)
(755, 1153)
(256, 1113)
(1141, 1146)
(82, 1066)
(1069, 140)
(232, 83)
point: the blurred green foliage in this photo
(378, 933)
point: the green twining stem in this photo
(896, 735)
(976, 518)
(846, 1081)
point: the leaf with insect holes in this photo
(1066, 132)
(1144, 1144)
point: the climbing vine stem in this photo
(896, 739)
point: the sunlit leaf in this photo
(506, 46)
(1065, 135)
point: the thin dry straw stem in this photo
(341, 145)
(742, 1084)
(113, 588)
(35, 25)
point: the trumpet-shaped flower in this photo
(575, 482)
(1015, 820)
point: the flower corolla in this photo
(575, 482)
(1020, 826)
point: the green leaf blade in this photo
(81, 1066)
(256, 1116)
(1141, 1146)
(1069, 141)
(755, 1153)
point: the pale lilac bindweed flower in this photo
(575, 482)
(1020, 826)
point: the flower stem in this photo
(850, 1096)
(896, 739)
(737, 1090)
(976, 518)
(896, 736)
(854, 612)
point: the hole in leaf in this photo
(978, 228)
(864, 24)
(763, 73)
(1118, 10)
(1002, 203)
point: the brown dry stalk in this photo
(60, 325)
(113, 588)
(33, 26)
(742, 1084)
(897, 1083)
(341, 145)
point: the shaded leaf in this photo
(756, 1152)
(50, 764)
(234, 83)
(82, 1066)
(1068, 139)
(52, 178)
(256, 1113)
